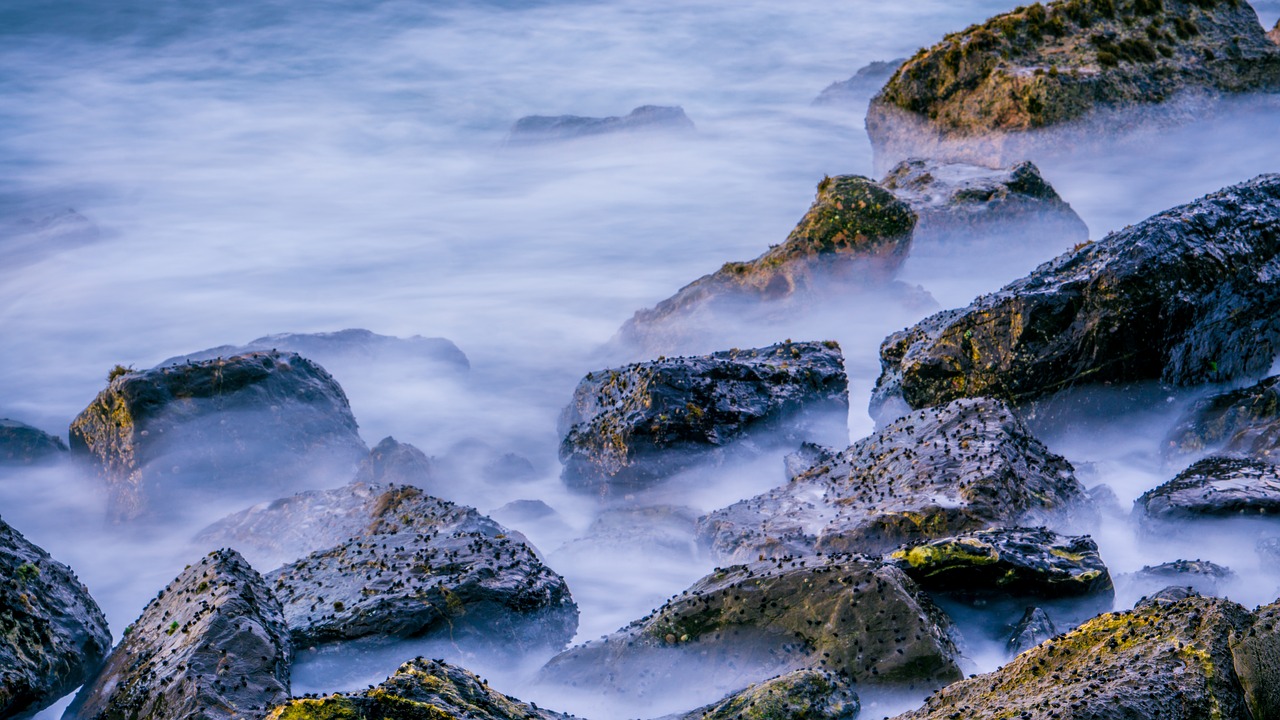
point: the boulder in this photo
(52, 634)
(1187, 296)
(1170, 594)
(941, 471)
(632, 427)
(420, 690)
(1268, 548)
(21, 444)
(1213, 488)
(742, 624)
(213, 644)
(799, 695)
(1016, 562)
(1256, 655)
(537, 129)
(859, 88)
(397, 463)
(174, 440)
(1172, 662)
(992, 89)
(1244, 422)
(1199, 576)
(1034, 628)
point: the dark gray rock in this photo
(213, 644)
(1274, 34)
(1242, 422)
(937, 472)
(1256, 655)
(1034, 628)
(859, 88)
(1187, 296)
(21, 444)
(1201, 576)
(52, 634)
(173, 440)
(1170, 594)
(1213, 488)
(536, 129)
(799, 695)
(634, 426)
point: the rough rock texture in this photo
(964, 466)
(21, 444)
(347, 349)
(859, 88)
(1257, 663)
(1200, 576)
(1034, 628)
(1047, 65)
(1187, 296)
(801, 461)
(1239, 422)
(745, 623)
(252, 426)
(534, 129)
(1013, 561)
(1172, 662)
(855, 236)
(52, 634)
(1164, 596)
(634, 426)
(1215, 487)
(213, 644)
(420, 690)
(798, 695)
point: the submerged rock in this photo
(853, 616)
(420, 690)
(251, 426)
(632, 427)
(799, 695)
(1187, 296)
(1244, 422)
(1034, 628)
(1200, 576)
(980, 91)
(21, 444)
(213, 644)
(397, 463)
(1213, 488)
(964, 466)
(535, 129)
(52, 634)
(859, 88)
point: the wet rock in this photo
(1242, 422)
(1187, 296)
(213, 644)
(52, 634)
(1213, 488)
(802, 460)
(420, 690)
(859, 88)
(536, 129)
(397, 463)
(853, 616)
(1170, 594)
(964, 466)
(983, 92)
(1034, 628)
(798, 695)
(1201, 576)
(1257, 663)
(635, 426)
(1017, 562)
(174, 440)
(21, 444)
(1172, 662)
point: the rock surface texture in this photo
(21, 444)
(935, 473)
(634, 426)
(1034, 628)
(798, 695)
(1238, 422)
(535, 129)
(52, 634)
(1213, 488)
(1187, 296)
(213, 644)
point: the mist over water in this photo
(249, 168)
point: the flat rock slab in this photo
(538, 129)
(1213, 488)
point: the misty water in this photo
(237, 169)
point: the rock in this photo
(536, 129)
(1017, 562)
(1215, 487)
(21, 444)
(852, 616)
(213, 644)
(1201, 576)
(1243, 422)
(1172, 662)
(981, 92)
(52, 634)
(1034, 628)
(632, 427)
(859, 88)
(853, 238)
(1257, 663)
(419, 690)
(964, 466)
(1274, 34)
(799, 695)
(173, 440)
(1187, 296)
(1170, 594)
(801, 461)
(1106, 500)
(397, 463)
(526, 511)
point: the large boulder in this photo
(742, 624)
(1245, 421)
(213, 644)
(941, 471)
(420, 690)
(798, 695)
(536, 129)
(1172, 661)
(634, 426)
(1213, 488)
(980, 92)
(175, 439)
(52, 634)
(1190, 295)
(21, 444)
